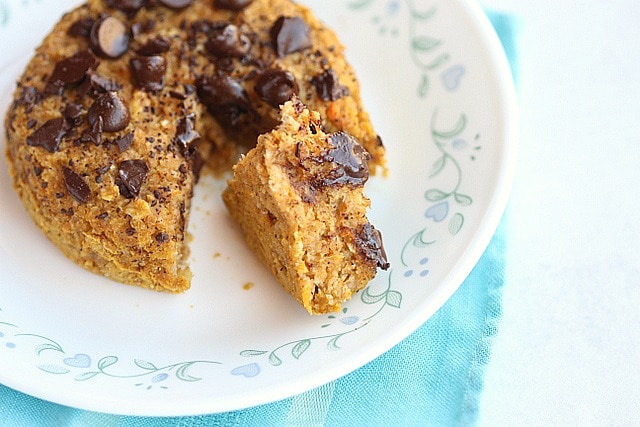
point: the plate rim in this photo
(489, 222)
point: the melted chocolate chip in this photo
(112, 110)
(275, 87)
(350, 159)
(109, 37)
(70, 71)
(126, 5)
(155, 46)
(186, 136)
(234, 5)
(124, 142)
(82, 27)
(176, 4)
(141, 27)
(289, 35)
(131, 176)
(225, 98)
(148, 72)
(94, 133)
(369, 241)
(328, 87)
(96, 84)
(49, 135)
(73, 113)
(228, 41)
(76, 186)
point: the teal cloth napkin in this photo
(433, 377)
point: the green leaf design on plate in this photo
(425, 43)
(145, 365)
(463, 199)
(369, 298)
(274, 360)
(435, 195)
(107, 361)
(333, 343)
(394, 298)
(300, 348)
(456, 223)
(87, 376)
(54, 369)
(251, 353)
(423, 87)
(359, 4)
(182, 374)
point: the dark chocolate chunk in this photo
(186, 136)
(289, 35)
(49, 135)
(29, 96)
(328, 87)
(124, 142)
(142, 27)
(94, 133)
(225, 98)
(109, 37)
(96, 84)
(162, 237)
(234, 5)
(73, 113)
(82, 27)
(114, 112)
(350, 160)
(126, 5)
(148, 72)
(369, 241)
(155, 46)
(76, 186)
(176, 4)
(70, 71)
(275, 87)
(228, 41)
(131, 176)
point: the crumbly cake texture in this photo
(298, 197)
(126, 99)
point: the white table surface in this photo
(568, 348)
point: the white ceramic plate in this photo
(438, 88)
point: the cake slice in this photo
(298, 197)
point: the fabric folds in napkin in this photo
(433, 377)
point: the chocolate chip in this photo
(234, 5)
(162, 237)
(289, 35)
(275, 87)
(49, 135)
(102, 216)
(155, 46)
(148, 72)
(228, 41)
(225, 98)
(328, 87)
(124, 142)
(82, 27)
(176, 4)
(70, 71)
(126, 5)
(109, 37)
(114, 113)
(142, 27)
(29, 96)
(76, 186)
(96, 84)
(369, 241)
(186, 136)
(94, 133)
(131, 176)
(73, 113)
(350, 160)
